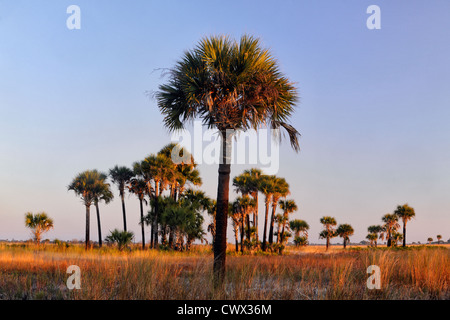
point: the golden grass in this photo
(307, 273)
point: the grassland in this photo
(29, 272)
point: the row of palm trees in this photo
(149, 179)
(389, 229)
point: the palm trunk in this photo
(272, 221)
(155, 221)
(242, 235)
(255, 217)
(264, 245)
(88, 216)
(142, 223)
(389, 241)
(328, 243)
(248, 227)
(345, 243)
(122, 196)
(223, 189)
(99, 226)
(404, 234)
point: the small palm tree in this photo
(267, 187)
(439, 237)
(329, 223)
(288, 207)
(300, 228)
(376, 230)
(84, 185)
(281, 190)
(138, 187)
(121, 176)
(233, 86)
(390, 226)
(121, 238)
(396, 238)
(39, 223)
(372, 237)
(345, 231)
(101, 191)
(406, 213)
(430, 240)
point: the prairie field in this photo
(309, 273)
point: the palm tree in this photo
(329, 232)
(267, 187)
(122, 238)
(396, 238)
(406, 213)
(372, 237)
(84, 185)
(39, 223)
(101, 191)
(288, 206)
(345, 231)
(281, 190)
(390, 225)
(121, 176)
(430, 240)
(299, 227)
(243, 205)
(376, 230)
(138, 187)
(233, 86)
(439, 237)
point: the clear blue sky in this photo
(374, 112)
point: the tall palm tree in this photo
(267, 187)
(84, 185)
(121, 176)
(281, 191)
(253, 181)
(288, 206)
(376, 230)
(406, 213)
(138, 187)
(390, 225)
(101, 192)
(345, 231)
(39, 223)
(439, 237)
(243, 205)
(329, 231)
(233, 86)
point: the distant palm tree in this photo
(372, 237)
(138, 187)
(406, 213)
(233, 86)
(288, 207)
(101, 191)
(267, 187)
(39, 223)
(439, 237)
(121, 238)
(300, 228)
(396, 238)
(84, 185)
(329, 223)
(430, 240)
(345, 231)
(121, 176)
(244, 206)
(253, 180)
(376, 230)
(390, 225)
(281, 190)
